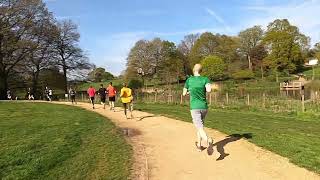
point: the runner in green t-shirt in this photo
(197, 86)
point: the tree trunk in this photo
(4, 86)
(65, 85)
(262, 73)
(249, 63)
(35, 82)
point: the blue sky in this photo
(109, 28)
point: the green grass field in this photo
(291, 136)
(47, 141)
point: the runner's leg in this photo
(131, 108)
(92, 101)
(125, 109)
(198, 119)
(112, 104)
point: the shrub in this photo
(135, 84)
(243, 75)
(214, 68)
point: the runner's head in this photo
(197, 68)
(101, 85)
(110, 83)
(125, 85)
(90, 86)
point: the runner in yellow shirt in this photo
(126, 98)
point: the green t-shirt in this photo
(196, 86)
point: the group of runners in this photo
(111, 92)
(196, 87)
(48, 94)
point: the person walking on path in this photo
(50, 94)
(72, 94)
(103, 92)
(46, 92)
(126, 99)
(30, 95)
(197, 86)
(112, 96)
(9, 96)
(91, 92)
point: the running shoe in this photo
(210, 147)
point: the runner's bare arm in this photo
(185, 91)
(208, 87)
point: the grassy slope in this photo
(46, 141)
(286, 135)
(310, 72)
(85, 86)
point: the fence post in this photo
(210, 99)
(302, 101)
(248, 99)
(215, 98)
(155, 97)
(227, 97)
(264, 100)
(181, 99)
(82, 98)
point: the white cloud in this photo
(218, 18)
(305, 15)
(113, 50)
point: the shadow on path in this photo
(145, 117)
(229, 139)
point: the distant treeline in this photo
(254, 52)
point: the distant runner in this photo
(126, 98)
(46, 92)
(72, 94)
(197, 86)
(30, 94)
(91, 92)
(50, 94)
(112, 96)
(9, 96)
(103, 93)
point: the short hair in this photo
(101, 85)
(110, 83)
(90, 86)
(125, 84)
(197, 67)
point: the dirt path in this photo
(164, 150)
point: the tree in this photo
(317, 51)
(140, 57)
(170, 66)
(68, 54)
(214, 68)
(184, 50)
(257, 55)
(17, 19)
(99, 74)
(41, 55)
(286, 46)
(210, 44)
(249, 40)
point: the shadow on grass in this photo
(229, 139)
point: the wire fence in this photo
(259, 101)
(282, 102)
